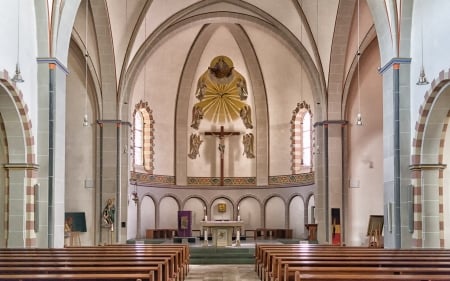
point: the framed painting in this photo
(222, 207)
(376, 223)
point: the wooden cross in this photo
(221, 134)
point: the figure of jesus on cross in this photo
(221, 134)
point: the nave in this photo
(271, 261)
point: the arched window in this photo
(143, 136)
(301, 139)
(138, 139)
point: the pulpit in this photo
(312, 233)
(222, 232)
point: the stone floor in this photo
(222, 272)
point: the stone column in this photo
(396, 136)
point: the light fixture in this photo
(18, 76)
(422, 78)
(85, 121)
(358, 54)
(86, 55)
(359, 119)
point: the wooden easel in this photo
(74, 237)
(374, 239)
(374, 231)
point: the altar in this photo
(222, 232)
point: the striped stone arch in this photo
(21, 168)
(148, 133)
(420, 166)
(298, 114)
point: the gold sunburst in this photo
(221, 102)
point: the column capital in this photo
(21, 166)
(53, 60)
(421, 166)
(393, 62)
(331, 122)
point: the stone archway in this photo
(19, 168)
(427, 165)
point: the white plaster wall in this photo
(132, 212)
(168, 213)
(80, 153)
(365, 143)
(285, 88)
(159, 90)
(25, 50)
(275, 213)
(160, 10)
(148, 215)
(435, 48)
(297, 217)
(311, 213)
(195, 205)
(250, 212)
(227, 215)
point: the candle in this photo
(239, 217)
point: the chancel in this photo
(259, 122)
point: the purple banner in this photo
(184, 223)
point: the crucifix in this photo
(221, 134)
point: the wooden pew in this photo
(182, 261)
(302, 270)
(272, 258)
(159, 263)
(368, 277)
(79, 276)
(279, 264)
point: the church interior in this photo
(283, 117)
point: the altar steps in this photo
(222, 255)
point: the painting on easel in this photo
(336, 226)
(374, 230)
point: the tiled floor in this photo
(222, 272)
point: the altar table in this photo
(222, 232)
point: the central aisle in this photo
(222, 272)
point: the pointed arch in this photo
(301, 139)
(21, 168)
(426, 163)
(143, 138)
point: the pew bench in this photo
(283, 256)
(280, 262)
(367, 277)
(314, 270)
(80, 276)
(176, 268)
